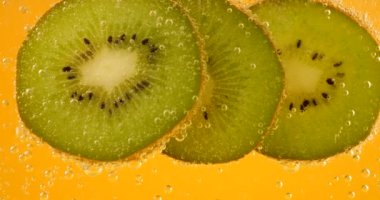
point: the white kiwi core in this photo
(300, 77)
(109, 68)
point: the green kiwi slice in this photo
(243, 87)
(332, 72)
(105, 79)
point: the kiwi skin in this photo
(304, 143)
(89, 153)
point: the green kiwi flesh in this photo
(105, 79)
(332, 72)
(243, 87)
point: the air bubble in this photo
(152, 13)
(229, 10)
(113, 176)
(369, 84)
(4, 102)
(4, 2)
(5, 61)
(288, 195)
(348, 178)
(266, 24)
(69, 173)
(168, 189)
(365, 188)
(169, 22)
(139, 180)
(23, 9)
(44, 195)
(348, 123)
(26, 155)
(279, 184)
(29, 168)
(207, 125)
(328, 12)
(92, 170)
(241, 25)
(253, 66)
(351, 194)
(27, 28)
(13, 149)
(373, 54)
(157, 197)
(237, 50)
(157, 120)
(366, 172)
(195, 98)
(180, 45)
(346, 92)
(248, 34)
(342, 85)
(224, 107)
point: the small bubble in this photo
(26, 155)
(113, 176)
(241, 25)
(220, 170)
(373, 54)
(365, 188)
(152, 13)
(237, 50)
(44, 195)
(266, 24)
(351, 194)
(168, 189)
(253, 66)
(157, 197)
(68, 173)
(27, 28)
(207, 125)
(346, 92)
(224, 107)
(348, 123)
(342, 85)
(169, 22)
(288, 195)
(5, 61)
(29, 168)
(229, 10)
(13, 149)
(328, 12)
(4, 102)
(366, 172)
(369, 84)
(92, 170)
(157, 120)
(279, 184)
(248, 34)
(348, 178)
(139, 179)
(23, 9)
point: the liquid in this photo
(30, 169)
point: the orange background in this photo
(30, 169)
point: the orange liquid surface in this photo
(31, 170)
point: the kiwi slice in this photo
(243, 88)
(105, 79)
(332, 72)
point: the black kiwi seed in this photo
(84, 56)
(86, 41)
(305, 103)
(122, 37)
(291, 106)
(109, 39)
(315, 56)
(299, 43)
(71, 77)
(90, 95)
(145, 41)
(116, 104)
(314, 102)
(153, 49)
(205, 115)
(134, 37)
(66, 69)
(340, 74)
(74, 94)
(102, 105)
(80, 98)
(145, 83)
(325, 95)
(302, 108)
(278, 51)
(338, 64)
(128, 96)
(121, 101)
(330, 81)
